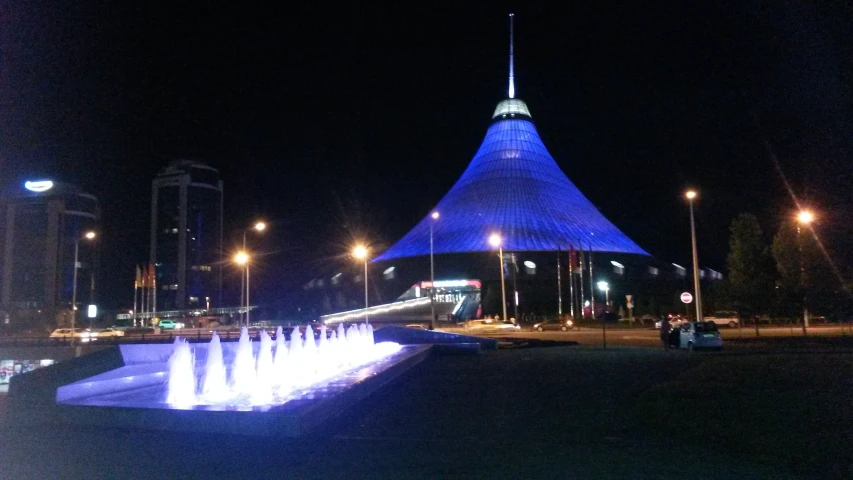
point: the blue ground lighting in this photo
(515, 188)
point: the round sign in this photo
(686, 297)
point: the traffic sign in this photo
(686, 297)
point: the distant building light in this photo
(417, 292)
(529, 267)
(389, 273)
(93, 311)
(452, 284)
(38, 186)
(653, 271)
(529, 264)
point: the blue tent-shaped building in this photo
(513, 187)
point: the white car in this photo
(110, 332)
(700, 335)
(673, 323)
(489, 325)
(66, 333)
(729, 319)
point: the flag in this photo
(152, 277)
(573, 259)
(138, 282)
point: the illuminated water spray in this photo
(269, 372)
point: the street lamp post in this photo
(432, 318)
(87, 236)
(805, 217)
(691, 195)
(242, 258)
(603, 286)
(496, 241)
(360, 252)
(244, 280)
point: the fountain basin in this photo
(133, 396)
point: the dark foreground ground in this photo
(548, 412)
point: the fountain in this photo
(265, 379)
(243, 369)
(268, 387)
(181, 391)
(215, 387)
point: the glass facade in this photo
(186, 232)
(515, 188)
(39, 230)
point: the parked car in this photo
(170, 325)
(726, 318)
(110, 332)
(700, 335)
(555, 324)
(674, 321)
(66, 333)
(489, 325)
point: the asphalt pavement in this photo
(561, 412)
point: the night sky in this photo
(339, 123)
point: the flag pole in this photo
(572, 253)
(559, 287)
(135, 289)
(580, 282)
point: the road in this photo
(641, 337)
(648, 337)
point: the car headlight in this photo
(569, 323)
(536, 326)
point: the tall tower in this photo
(186, 235)
(40, 222)
(513, 187)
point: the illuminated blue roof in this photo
(515, 188)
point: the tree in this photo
(806, 279)
(748, 262)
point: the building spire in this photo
(511, 74)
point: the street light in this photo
(244, 281)
(804, 218)
(604, 287)
(691, 195)
(496, 241)
(88, 236)
(432, 318)
(360, 252)
(242, 259)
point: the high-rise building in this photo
(40, 222)
(186, 235)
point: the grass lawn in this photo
(793, 410)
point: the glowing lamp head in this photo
(690, 194)
(38, 186)
(805, 217)
(495, 240)
(241, 258)
(89, 235)
(434, 215)
(603, 286)
(360, 252)
(260, 226)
